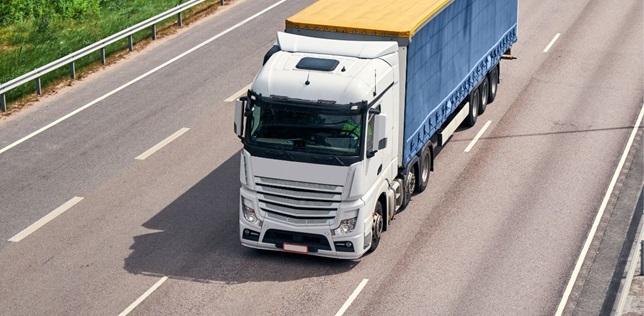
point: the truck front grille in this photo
(295, 202)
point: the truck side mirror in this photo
(240, 105)
(380, 131)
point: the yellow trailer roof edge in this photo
(400, 18)
(340, 29)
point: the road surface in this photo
(155, 232)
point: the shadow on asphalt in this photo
(197, 239)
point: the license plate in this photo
(295, 248)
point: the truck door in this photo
(375, 160)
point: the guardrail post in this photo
(129, 43)
(103, 55)
(3, 103)
(642, 257)
(38, 86)
(179, 19)
(72, 70)
(154, 31)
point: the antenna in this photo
(375, 81)
(307, 82)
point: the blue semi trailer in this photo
(340, 124)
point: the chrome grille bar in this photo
(297, 202)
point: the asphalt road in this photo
(498, 232)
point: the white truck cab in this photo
(318, 153)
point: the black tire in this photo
(377, 228)
(409, 184)
(493, 79)
(474, 99)
(484, 90)
(422, 177)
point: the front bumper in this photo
(319, 241)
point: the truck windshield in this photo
(307, 131)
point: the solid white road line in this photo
(600, 213)
(41, 222)
(552, 43)
(160, 145)
(143, 297)
(352, 297)
(476, 138)
(238, 93)
(208, 41)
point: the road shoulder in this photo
(595, 291)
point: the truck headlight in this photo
(347, 225)
(249, 213)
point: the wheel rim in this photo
(484, 95)
(411, 182)
(376, 229)
(425, 173)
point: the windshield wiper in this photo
(333, 157)
(301, 143)
(280, 152)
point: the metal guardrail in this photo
(100, 45)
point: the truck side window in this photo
(255, 129)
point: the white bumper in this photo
(318, 240)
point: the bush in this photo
(78, 8)
(20, 11)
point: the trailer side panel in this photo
(447, 58)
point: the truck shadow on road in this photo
(197, 239)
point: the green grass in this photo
(37, 32)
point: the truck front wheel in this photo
(376, 228)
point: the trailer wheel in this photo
(422, 177)
(376, 228)
(474, 108)
(493, 78)
(484, 89)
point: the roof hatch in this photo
(312, 63)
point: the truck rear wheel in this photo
(493, 78)
(484, 89)
(376, 228)
(422, 177)
(407, 188)
(474, 99)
